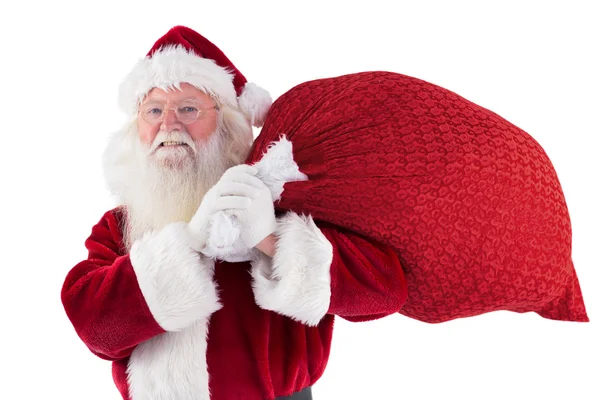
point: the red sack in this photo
(471, 203)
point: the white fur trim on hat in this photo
(171, 66)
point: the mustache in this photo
(174, 136)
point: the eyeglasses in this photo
(187, 112)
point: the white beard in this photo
(157, 190)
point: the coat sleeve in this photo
(116, 301)
(324, 270)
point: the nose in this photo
(170, 121)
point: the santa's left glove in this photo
(231, 193)
(258, 220)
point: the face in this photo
(170, 140)
(160, 182)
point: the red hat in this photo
(184, 56)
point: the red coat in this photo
(149, 311)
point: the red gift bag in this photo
(471, 203)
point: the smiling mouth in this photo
(171, 143)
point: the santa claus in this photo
(178, 319)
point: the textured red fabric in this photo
(102, 298)
(471, 203)
(252, 354)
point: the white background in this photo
(534, 63)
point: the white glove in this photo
(233, 192)
(257, 221)
(225, 242)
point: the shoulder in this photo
(109, 230)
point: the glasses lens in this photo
(152, 113)
(187, 112)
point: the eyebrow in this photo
(163, 100)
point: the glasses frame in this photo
(166, 109)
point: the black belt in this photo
(305, 394)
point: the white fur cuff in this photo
(176, 281)
(296, 282)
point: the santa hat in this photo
(184, 56)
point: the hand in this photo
(257, 221)
(233, 192)
(268, 245)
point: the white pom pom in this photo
(255, 103)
